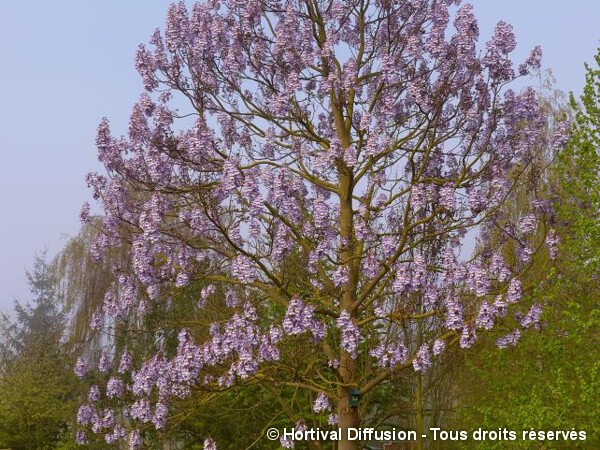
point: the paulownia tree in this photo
(364, 139)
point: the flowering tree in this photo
(365, 140)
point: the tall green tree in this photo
(37, 386)
(561, 359)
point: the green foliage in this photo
(37, 402)
(551, 379)
(37, 385)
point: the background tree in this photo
(366, 138)
(561, 358)
(38, 390)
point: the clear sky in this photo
(67, 63)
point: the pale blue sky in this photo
(67, 63)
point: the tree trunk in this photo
(348, 418)
(419, 411)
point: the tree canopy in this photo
(313, 174)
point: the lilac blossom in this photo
(528, 224)
(286, 443)
(96, 322)
(514, 292)
(85, 414)
(390, 355)
(140, 410)
(447, 197)
(204, 294)
(454, 314)
(478, 280)
(300, 318)
(159, 419)
(108, 418)
(340, 276)
(500, 307)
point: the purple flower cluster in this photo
(86, 414)
(115, 388)
(417, 196)
(340, 276)
(447, 200)
(478, 280)
(349, 334)
(438, 347)
(390, 355)
(532, 317)
(135, 440)
(80, 368)
(94, 394)
(159, 419)
(467, 337)
(140, 410)
(509, 340)
(454, 313)
(528, 224)
(422, 360)
(242, 268)
(552, 241)
(321, 403)
(402, 279)
(514, 292)
(81, 438)
(126, 362)
(97, 321)
(300, 318)
(209, 444)
(485, 317)
(286, 442)
(204, 294)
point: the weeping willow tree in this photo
(83, 283)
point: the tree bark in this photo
(348, 418)
(419, 411)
